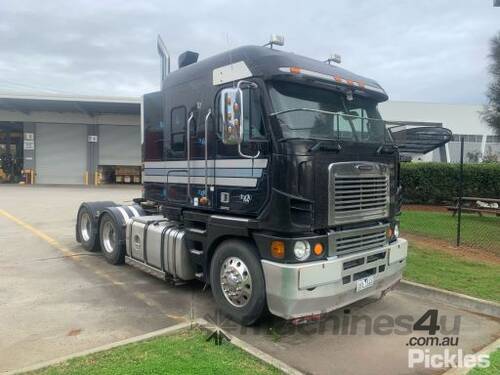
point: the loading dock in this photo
(11, 152)
(70, 140)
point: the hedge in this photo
(436, 183)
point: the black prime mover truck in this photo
(269, 176)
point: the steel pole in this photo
(460, 190)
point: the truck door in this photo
(241, 170)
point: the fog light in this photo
(278, 249)
(302, 250)
(396, 230)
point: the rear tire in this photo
(237, 281)
(86, 228)
(112, 245)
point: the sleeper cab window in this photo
(178, 132)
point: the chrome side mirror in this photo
(231, 109)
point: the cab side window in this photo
(253, 116)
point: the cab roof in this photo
(269, 63)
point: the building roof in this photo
(90, 105)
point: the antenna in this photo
(275, 39)
(334, 58)
(165, 57)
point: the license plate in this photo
(364, 283)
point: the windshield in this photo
(312, 112)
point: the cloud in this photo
(425, 51)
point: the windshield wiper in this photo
(386, 148)
(321, 145)
(303, 138)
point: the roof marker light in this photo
(335, 78)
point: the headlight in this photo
(396, 230)
(302, 250)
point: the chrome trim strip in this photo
(241, 182)
(230, 218)
(213, 163)
(200, 172)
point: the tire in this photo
(229, 263)
(111, 241)
(87, 230)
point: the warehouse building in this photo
(55, 139)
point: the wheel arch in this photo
(217, 242)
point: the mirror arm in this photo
(209, 114)
(250, 83)
(188, 140)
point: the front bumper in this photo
(298, 290)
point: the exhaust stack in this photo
(165, 57)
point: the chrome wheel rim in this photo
(85, 226)
(108, 237)
(236, 282)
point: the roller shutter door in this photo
(119, 145)
(60, 153)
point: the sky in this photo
(426, 50)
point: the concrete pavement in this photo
(57, 299)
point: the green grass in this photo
(185, 353)
(480, 232)
(439, 269)
(493, 369)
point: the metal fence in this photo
(478, 218)
(467, 222)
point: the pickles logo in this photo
(446, 359)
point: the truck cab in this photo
(269, 176)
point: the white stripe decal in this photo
(134, 211)
(200, 172)
(124, 214)
(242, 182)
(218, 163)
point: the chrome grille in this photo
(349, 241)
(358, 191)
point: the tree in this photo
(491, 113)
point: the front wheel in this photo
(237, 281)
